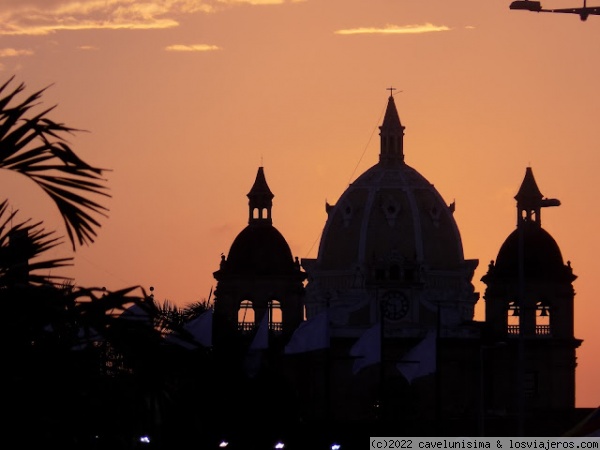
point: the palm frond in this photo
(36, 148)
(21, 243)
(197, 308)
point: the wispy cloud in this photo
(259, 2)
(8, 52)
(192, 48)
(253, 2)
(395, 29)
(87, 47)
(41, 17)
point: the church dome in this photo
(390, 212)
(259, 279)
(260, 250)
(391, 246)
(541, 255)
(542, 258)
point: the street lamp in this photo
(527, 5)
(482, 349)
(535, 6)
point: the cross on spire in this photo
(391, 89)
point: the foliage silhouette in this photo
(35, 147)
(20, 244)
(80, 361)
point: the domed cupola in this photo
(391, 234)
(260, 249)
(529, 280)
(259, 274)
(541, 255)
(529, 304)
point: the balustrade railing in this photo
(247, 327)
(540, 330)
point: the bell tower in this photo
(529, 306)
(258, 276)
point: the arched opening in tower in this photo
(246, 316)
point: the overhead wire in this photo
(355, 168)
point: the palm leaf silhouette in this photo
(36, 147)
(20, 263)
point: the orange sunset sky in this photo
(184, 99)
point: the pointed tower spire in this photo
(530, 201)
(260, 200)
(391, 132)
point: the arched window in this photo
(513, 318)
(276, 316)
(542, 318)
(246, 316)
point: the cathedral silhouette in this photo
(379, 328)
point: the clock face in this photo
(395, 305)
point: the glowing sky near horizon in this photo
(183, 100)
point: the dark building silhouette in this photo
(529, 302)
(259, 275)
(391, 254)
